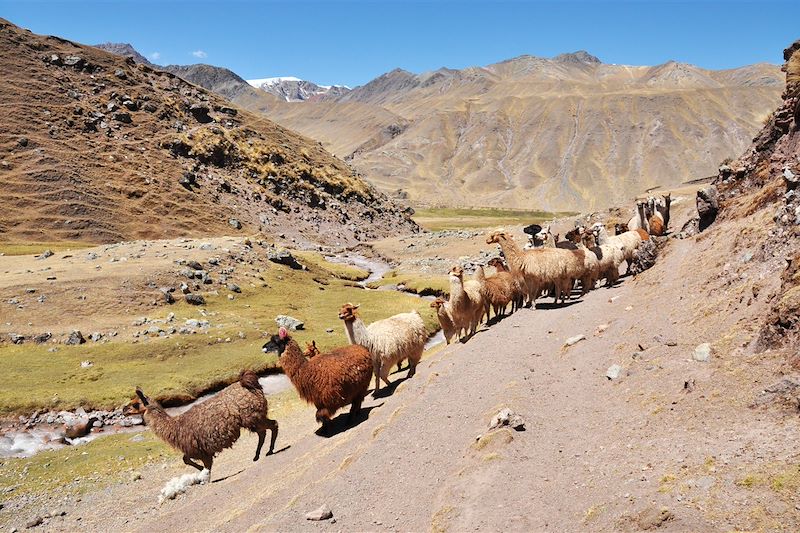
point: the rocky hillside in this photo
(291, 89)
(563, 133)
(767, 175)
(96, 147)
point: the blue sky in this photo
(351, 42)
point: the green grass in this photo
(35, 248)
(450, 218)
(416, 283)
(74, 470)
(184, 366)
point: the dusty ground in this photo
(674, 443)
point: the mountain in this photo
(292, 89)
(124, 50)
(566, 133)
(100, 148)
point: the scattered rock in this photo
(235, 223)
(123, 117)
(34, 522)
(283, 257)
(652, 518)
(289, 322)
(689, 385)
(574, 340)
(234, 287)
(75, 338)
(614, 372)
(96, 336)
(167, 292)
(119, 73)
(17, 339)
(136, 476)
(42, 338)
(507, 417)
(184, 288)
(86, 364)
(200, 113)
(323, 513)
(22, 141)
(46, 254)
(702, 353)
(194, 265)
(195, 299)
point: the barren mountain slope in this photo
(562, 133)
(98, 148)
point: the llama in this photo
(445, 317)
(517, 282)
(389, 341)
(498, 291)
(542, 267)
(330, 380)
(468, 302)
(609, 257)
(209, 427)
(629, 241)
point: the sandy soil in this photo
(674, 444)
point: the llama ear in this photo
(142, 397)
(282, 333)
(356, 306)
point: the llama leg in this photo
(385, 376)
(355, 408)
(377, 378)
(412, 364)
(189, 462)
(207, 462)
(272, 425)
(262, 433)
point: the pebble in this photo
(614, 372)
(575, 340)
(322, 513)
(702, 353)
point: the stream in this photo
(27, 442)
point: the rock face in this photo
(766, 175)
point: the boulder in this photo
(707, 206)
(289, 322)
(75, 338)
(284, 257)
(200, 113)
(195, 299)
(507, 417)
(614, 372)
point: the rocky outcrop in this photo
(766, 177)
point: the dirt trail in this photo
(597, 454)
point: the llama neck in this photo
(456, 289)
(512, 252)
(163, 425)
(356, 331)
(602, 236)
(292, 360)
(480, 275)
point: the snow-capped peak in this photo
(294, 89)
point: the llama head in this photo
(138, 405)
(277, 343)
(311, 349)
(497, 237)
(457, 272)
(495, 262)
(437, 303)
(348, 312)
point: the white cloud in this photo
(200, 54)
(155, 56)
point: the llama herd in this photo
(341, 377)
